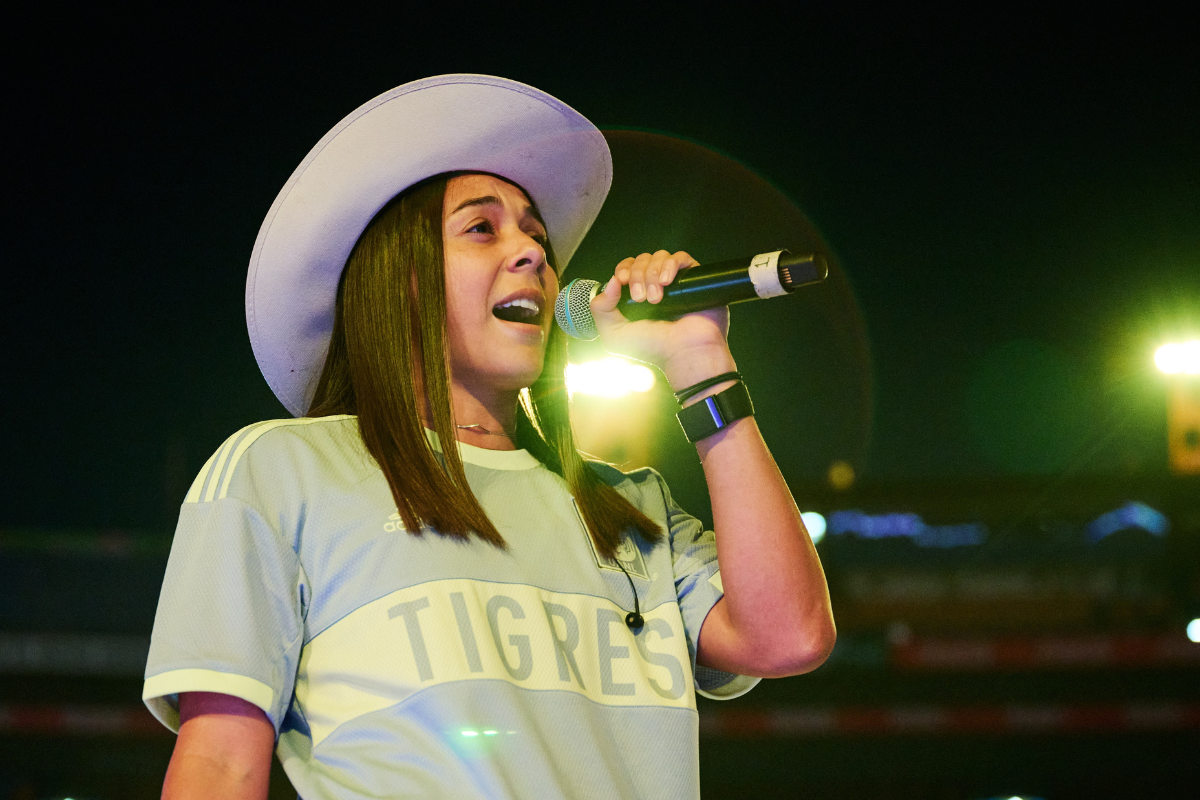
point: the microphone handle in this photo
(721, 283)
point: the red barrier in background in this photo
(1045, 652)
(910, 720)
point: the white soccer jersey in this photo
(395, 665)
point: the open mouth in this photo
(519, 310)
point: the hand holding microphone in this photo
(667, 345)
(670, 334)
(695, 289)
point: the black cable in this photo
(634, 618)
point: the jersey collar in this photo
(489, 459)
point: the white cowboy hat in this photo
(475, 123)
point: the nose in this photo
(528, 255)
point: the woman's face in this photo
(499, 289)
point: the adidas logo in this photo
(394, 523)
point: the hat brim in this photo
(472, 123)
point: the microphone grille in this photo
(573, 309)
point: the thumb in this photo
(606, 301)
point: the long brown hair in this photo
(384, 332)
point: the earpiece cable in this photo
(634, 618)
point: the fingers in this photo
(654, 341)
(648, 273)
(670, 268)
(632, 272)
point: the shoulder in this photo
(270, 448)
(635, 484)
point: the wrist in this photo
(709, 392)
(711, 414)
(697, 364)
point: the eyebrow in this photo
(492, 200)
(486, 200)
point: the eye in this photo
(538, 236)
(483, 226)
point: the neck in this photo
(485, 419)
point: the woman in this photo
(499, 619)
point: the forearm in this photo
(775, 618)
(193, 776)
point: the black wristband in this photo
(713, 413)
(697, 388)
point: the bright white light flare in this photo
(1181, 357)
(815, 524)
(609, 377)
(1193, 630)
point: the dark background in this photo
(1012, 201)
(1015, 201)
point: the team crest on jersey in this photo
(628, 554)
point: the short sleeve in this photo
(698, 588)
(230, 616)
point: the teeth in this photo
(530, 305)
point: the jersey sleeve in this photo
(698, 588)
(230, 616)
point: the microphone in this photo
(695, 289)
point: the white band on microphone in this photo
(764, 274)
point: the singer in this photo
(418, 587)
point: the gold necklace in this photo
(480, 429)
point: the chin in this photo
(527, 379)
(517, 373)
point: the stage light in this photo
(609, 377)
(911, 526)
(1193, 630)
(1179, 358)
(815, 524)
(841, 475)
(470, 733)
(1130, 515)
